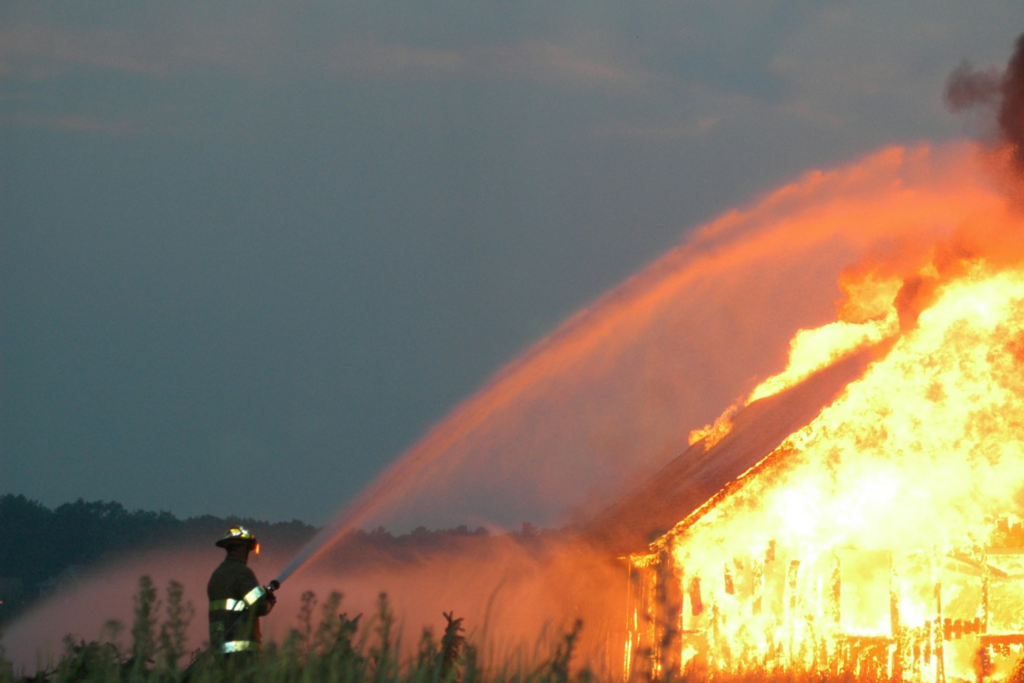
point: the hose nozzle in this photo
(273, 586)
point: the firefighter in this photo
(237, 600)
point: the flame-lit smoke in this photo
(101, 593)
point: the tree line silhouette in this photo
(37, 543)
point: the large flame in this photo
(884, 523)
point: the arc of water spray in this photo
(398, 478)
(339, 527)
(473, 412)
(393, 481)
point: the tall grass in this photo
(335, 648)
(329, 647)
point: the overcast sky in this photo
(251, 251)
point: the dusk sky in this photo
(251, 251)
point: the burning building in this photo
(863, 511)
(865, 516)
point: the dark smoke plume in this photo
(1011, 113)
(969, 87)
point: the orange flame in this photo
(884, 522)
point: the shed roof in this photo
(693, 477)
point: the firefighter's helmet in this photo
(239, 535)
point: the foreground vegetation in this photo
(333, 648)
